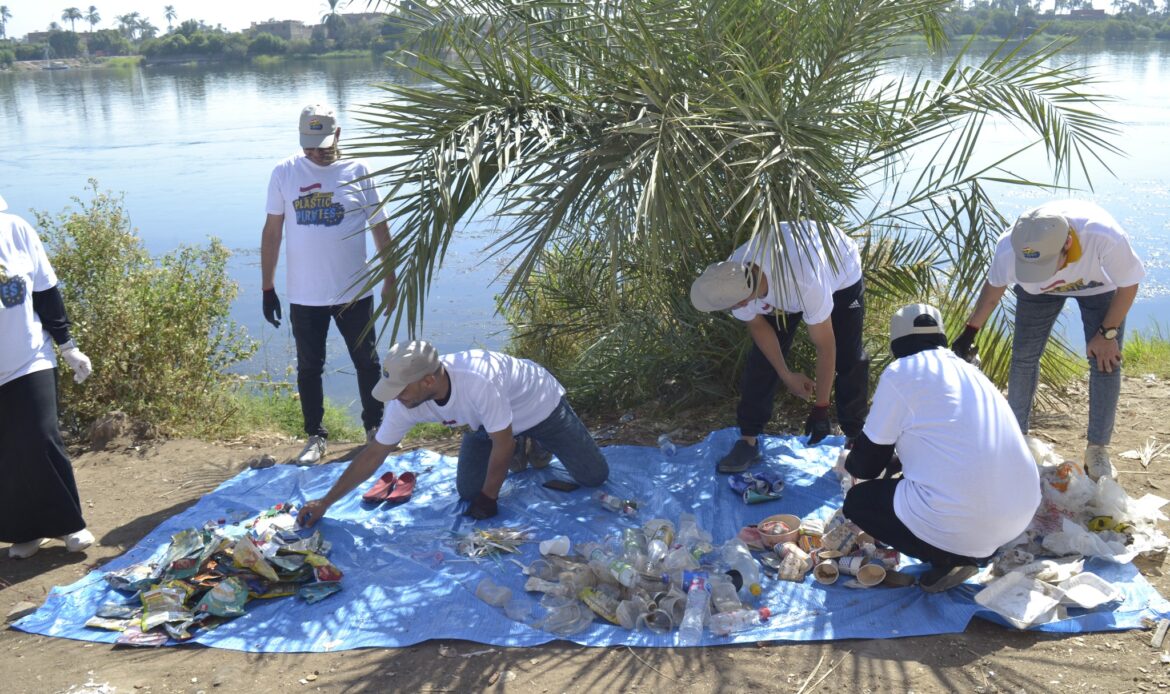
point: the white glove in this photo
(77, 361)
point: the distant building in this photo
(287, 29)
(37, 37)
(364, 18)
(1086, 14)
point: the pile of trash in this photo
(207, 575)
(1038, 576)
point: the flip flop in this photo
(403, 489)
(381, 489)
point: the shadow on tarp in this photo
(404, 583)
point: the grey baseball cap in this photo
(318, 126)
(404, 364)
(722, 285)
(1037, 239)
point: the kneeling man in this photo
(497, 395)
(969, 483)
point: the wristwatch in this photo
(1108, 333)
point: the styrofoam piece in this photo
(1088, 590)
(1024, 602)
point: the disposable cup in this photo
(871, 575)
(826, 572)
(851, 564)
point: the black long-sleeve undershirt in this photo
(50, 308)
(868, 460)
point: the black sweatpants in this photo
(850, 386)
(38, 497)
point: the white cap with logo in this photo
(404, 364)
(318, 126)
(722, 285)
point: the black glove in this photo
(272, 307)
(817, 425)
(482, 507)
(964, 343)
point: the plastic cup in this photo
(851, 565)
(871, 575)
(826, 572)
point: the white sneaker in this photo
(1097, 463)
(24, 550)
(78, 541)
(312, 452)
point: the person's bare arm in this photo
(381, 233)
(359, 470)
(989, 297)
(1108, 352)
(825, 343)
(765, 338)
(503, 445)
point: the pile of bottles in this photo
(659, 577)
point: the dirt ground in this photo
(130, 488)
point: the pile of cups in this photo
(826, 549)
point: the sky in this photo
(35, 15)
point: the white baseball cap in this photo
(318, 126)
(3, 205)
(916, 319)
(404, 364)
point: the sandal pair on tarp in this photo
(395, 489)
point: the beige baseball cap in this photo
(1037, 239)
(404, 364)
(318, 126)
(722, 285)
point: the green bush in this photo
(157, 330)
(267, 44)
(7, 57)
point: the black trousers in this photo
(850, 386)
(310, 327)
(38, 496)
(870, 505)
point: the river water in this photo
(191, 147)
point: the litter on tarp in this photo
(1024, 602)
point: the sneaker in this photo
(1097, 463)
(741, 456)
(312, 452)
(78, 541)
(538, 457)
(24, 550)
(936, 580)
(519, 455)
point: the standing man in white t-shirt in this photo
(969, 483)
(772, 283)
(325, 205)
(1069, 248)
(497, 396)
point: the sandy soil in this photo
(130, 488)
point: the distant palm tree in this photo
(170, 14)
(332, 18)
(5, 15)
(128, 23)
(146, 30)
(71, 15)
(93, 17)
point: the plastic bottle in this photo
(690, 631)
(633, 544)
(724, 623)
(688, 530)
(535, 584)
(679, 558)
(724, 596)
(737, 556)
(557, 546)
(606, 566)
(660, 534)
(666, 445)
(627, 507)
(493, 594)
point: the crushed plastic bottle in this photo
(690, 630)
(737, 556)
(724, 623)
(540, 585)
(493, 594)
(724, 595)
(558, 546)
(626, 507)
(666, 445)
(602, 603)
(633, 543)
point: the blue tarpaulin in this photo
(405, 583)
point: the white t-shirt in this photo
(800, 280)
(326, 213)
(24, 268)
(488, 389)
(1100, 260)
(970, 484)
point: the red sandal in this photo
(381, 489)
(403, 489)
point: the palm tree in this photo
(5, 15)
(626, 145)
(169, 14)
(128, 23)
(332, 19)
(93, 17)
(71, 15)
